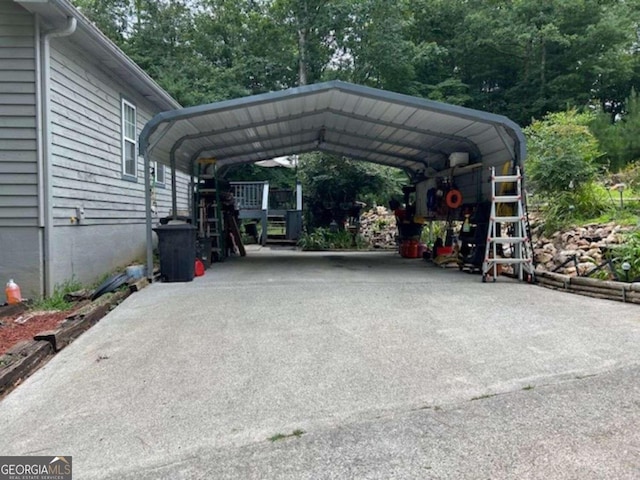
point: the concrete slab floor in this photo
(393, 368)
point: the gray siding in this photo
(86, 106)
(87, 159)
(20, 237)
(18, 149)
(20, 254)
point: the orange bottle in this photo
(12, 291)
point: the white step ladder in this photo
(521, 251)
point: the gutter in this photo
(87, 26)
(47, 142)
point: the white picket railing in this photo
(251, 195)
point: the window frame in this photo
(126, 140)
(156, 169)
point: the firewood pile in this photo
(378, 228)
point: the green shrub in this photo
(314, 240)
(324, 239)
(570, 207)
(562, 152)
(628, 251)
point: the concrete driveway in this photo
(383, 367)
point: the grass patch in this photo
(56, 301)
(281, 436)
(627, 217)
(481, 397)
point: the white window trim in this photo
(156, 167)
(125, 139)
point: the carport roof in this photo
(336, 117)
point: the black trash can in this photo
(293, 224)
(177, 248)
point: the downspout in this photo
(148, 218)
(174, 194)
(47, 136)
(39, 153)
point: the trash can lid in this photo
(175, 226)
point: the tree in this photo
(620, 138)
(314, 26)
(525, 58)
(278, 177)
(112, 17)
(376, 44)
(333, 183)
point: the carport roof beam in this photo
(375, 118)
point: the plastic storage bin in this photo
(177, 248)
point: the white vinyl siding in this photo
(129, 143)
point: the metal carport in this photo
(364, 123)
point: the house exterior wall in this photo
(20, 234)
(86, 106)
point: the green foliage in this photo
(325, 239)
(630, 176)
(562, 168)
(433, 230)
(570, 207)
(536, 56)
(278, 177)
(629, 252)
(562, 152)
(57, 301)
(332, 184)
(381, 54)
(619, 135)
(380, 225)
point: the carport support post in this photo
(265, 213)
(174, 195)
(147, 207)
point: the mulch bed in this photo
(12, 332)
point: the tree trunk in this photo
(543, 67)
(302, 56)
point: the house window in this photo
(159, 173)
(129, 143)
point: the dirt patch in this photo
(24, 326)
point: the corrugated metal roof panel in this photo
(346, 119)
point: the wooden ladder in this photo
(210, 221)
